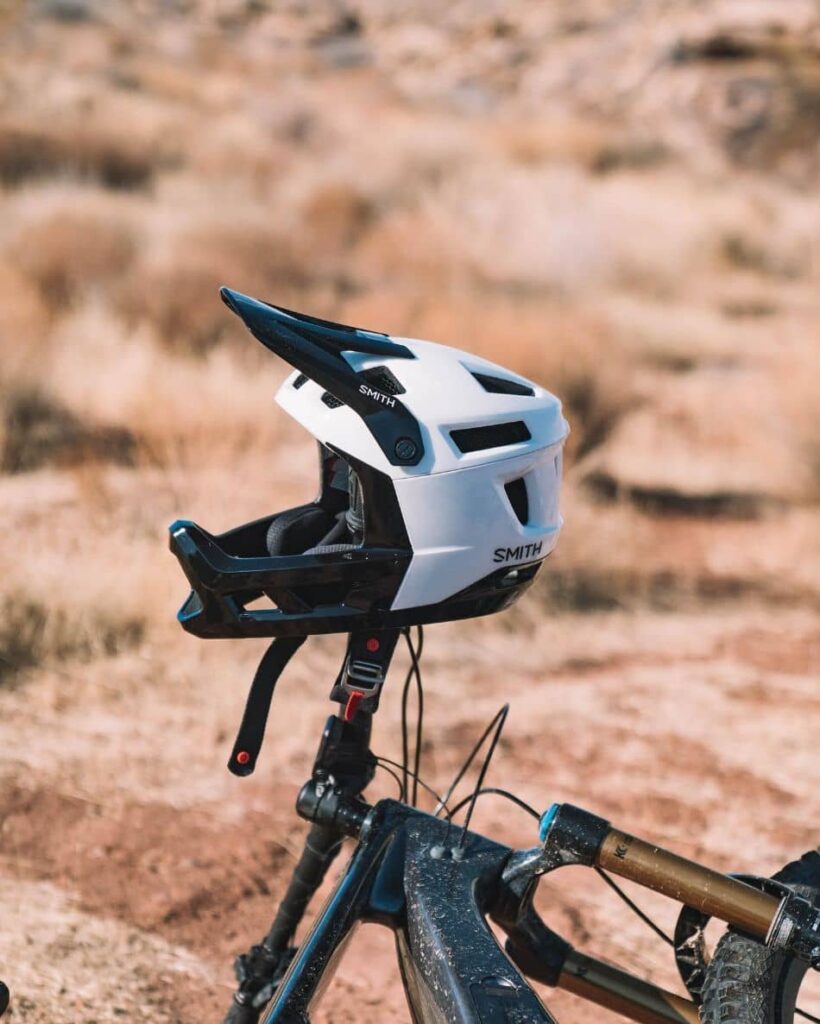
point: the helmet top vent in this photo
(495, 435)
(502, 385)
(383, 378)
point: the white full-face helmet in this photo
(439, 483)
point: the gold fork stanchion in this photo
(687, 882)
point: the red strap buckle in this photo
(352, 706)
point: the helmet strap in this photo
(357, 688)
(252, 730)
(359, 684)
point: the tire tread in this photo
(744, 979)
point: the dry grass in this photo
(180, 409)
(570, 350)
(25, 318)
(37, 431)
(71, 249)
(176, 290)
(53, 612)
(35, 633)
(114, 159)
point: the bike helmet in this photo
(439, 480)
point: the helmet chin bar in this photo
(338, 591)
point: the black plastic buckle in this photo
(368, 657)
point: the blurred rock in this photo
(710, 444)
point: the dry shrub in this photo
(336, 214)
(412, 247)
(54, 608)
(34, 631)
(235, 153)
(796, 376)
(630, 154)
(676, 336)
(179, 300)
(765, 99)
(37, 430)
(23, 316)
(591, 144)
(163, 78)
(535, 142)
(213, 411)
(178, 294)
(604, 560)
(742, 250)
(71, 12)
(71, 249)
(610, 557)
(547, 230)
(115, 159)
(713, 441)
(178, 409)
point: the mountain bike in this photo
(439, 479)
(439, 887)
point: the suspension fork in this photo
(260, 970)
(783, 921)
(544, 956)
(343, 768)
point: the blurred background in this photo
(617, 198)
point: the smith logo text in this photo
(518, 554)
(372, 393)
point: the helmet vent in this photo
(383, 379)
(502, 385)
(495, 435)
(331, 401)
(517, 493)
(300, 380)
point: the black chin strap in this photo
(252, 730)
(357, 687)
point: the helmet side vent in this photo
(331, 401)
(502, 385)
(383, 379)
(517, 494)
(495, 435)
(299, 381)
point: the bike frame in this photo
(436, 888)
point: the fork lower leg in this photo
(260, 970)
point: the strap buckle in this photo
(365, 669)
(366, 677)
